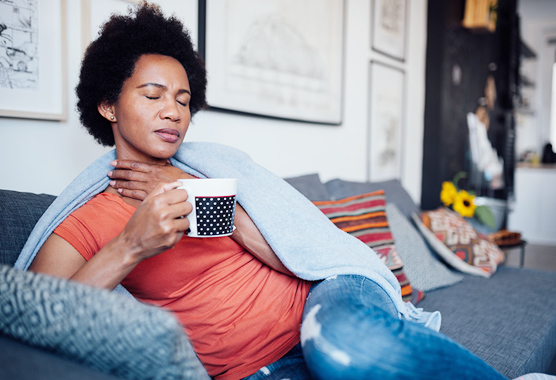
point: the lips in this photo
(168, 134)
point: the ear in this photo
(107, 111)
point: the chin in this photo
(162, 151)
(164, 155)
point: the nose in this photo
(170, 110)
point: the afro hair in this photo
(111, 59)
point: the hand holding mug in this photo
(158, 223)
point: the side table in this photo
(520, 244)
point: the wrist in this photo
(128, 250)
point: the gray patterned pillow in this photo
(423, 269)
(97, 328)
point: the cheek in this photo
(186, 116)
(132, 116)
(132, 125)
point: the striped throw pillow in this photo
(364, 216)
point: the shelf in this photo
(526, 51)
(526, 82)
(525, 111)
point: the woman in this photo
(240, 305)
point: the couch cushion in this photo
(310, 186)
(509, 319)
(458, 243)
(19, 212)
(364, 216)
(97, 328)
(422, 267)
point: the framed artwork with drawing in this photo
(95, 13)
(389, 27)
(33, 59)
(277, 58)
(386, 122)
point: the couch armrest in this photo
(19, 212)
(23, 362)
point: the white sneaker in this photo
(416, 314)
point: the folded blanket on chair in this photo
(304, 239)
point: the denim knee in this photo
(352, 343)
(351, 330)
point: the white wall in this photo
(538, 24)
(41, 156)
(533, 129)
(533, 214)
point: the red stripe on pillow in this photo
(349, 199)
(363, 207)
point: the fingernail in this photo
(110, 173)
(112, 183)
(113, 163)
(120, 191)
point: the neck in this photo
(126, 154)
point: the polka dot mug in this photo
(214, 205)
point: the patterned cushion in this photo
(364, 216)
(94, 327)
(458, 243)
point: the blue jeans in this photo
(350, 330)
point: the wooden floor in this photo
(536, 257)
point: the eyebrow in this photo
(158, 85)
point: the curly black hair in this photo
(111, 59)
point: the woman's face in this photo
(152, 113)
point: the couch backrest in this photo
(395, 193)
(19, 212)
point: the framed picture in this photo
(277, 58)
(388, 27)
(33, 82)
(95, 13)
(386, 122)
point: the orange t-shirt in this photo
(239, 314)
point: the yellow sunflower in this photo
(448, 193)
(464, 204)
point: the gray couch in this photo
(56, 329)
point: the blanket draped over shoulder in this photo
(303, 238)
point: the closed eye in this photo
(152, 97)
